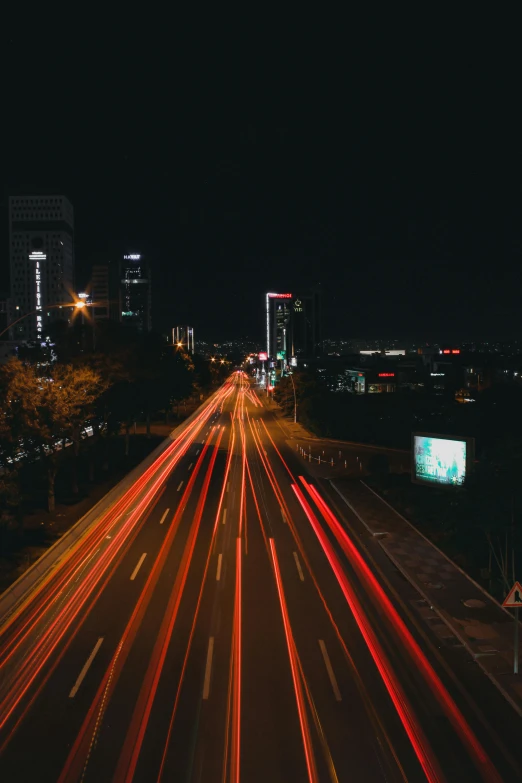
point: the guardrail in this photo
(322, 460)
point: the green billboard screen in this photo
(440, 460)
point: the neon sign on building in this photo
(38, 256)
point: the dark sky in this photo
(379, 161)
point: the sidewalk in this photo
(455, 607)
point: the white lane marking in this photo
(189, 467)
(162, 520)
(140, 561)
(228, 486)
(224, 516)
(85, 669)
(298, 564)
(197, 452)
(208, 668)
(218, 573)
(331, 675)
(180, 485)
(283, 514)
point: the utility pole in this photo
(295, 398)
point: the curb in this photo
(442, 616)
(375, 533)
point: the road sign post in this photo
(513, 600)
(515, 658)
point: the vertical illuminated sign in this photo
(38, 256)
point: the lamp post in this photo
(78, 305)
(295, 398)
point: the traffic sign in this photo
(513, 600)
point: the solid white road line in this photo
(180, 485)
(140, 561)
(299, 569)
(189, 467)
(218, 574)
(283, 514)
(208, 668)
(162, 520)
(331, 675)
(224, 516)
(85, 669)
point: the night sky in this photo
(381, 162)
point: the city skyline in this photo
(404, 220)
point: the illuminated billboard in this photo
(263, 356)
(441, 460)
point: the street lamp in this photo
(78, 305)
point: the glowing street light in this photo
(76, 305)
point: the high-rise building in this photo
(100, 294)
(41, 250)
(104, 292)
(183, 336)
(305, 326)
(135, 292)
(278, 315)
(292, 327)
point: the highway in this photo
(220, 623)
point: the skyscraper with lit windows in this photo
(135, 292)
(41, 252)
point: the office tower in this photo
(135, 292)
(41, 250)
(304, 338)
(183, 336)
(99, 293)
(278, 315)
(104, 292)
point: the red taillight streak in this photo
(258, 510)
(413, 730)
(39, 656)
(136, 732)
(133, 624)
(235, 753)
(269, 470)
(114, 565)
(196, 614)
(92, 539)
(278, 452)
(301, 707)
(452, 711)
(374, 717)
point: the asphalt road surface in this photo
(221, 623)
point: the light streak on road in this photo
(136, 732)
(292, 654)
(458, 721)
(76, 758)
(235, 752)
(196, 613)
(418, 740)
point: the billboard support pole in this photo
(515, 659)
